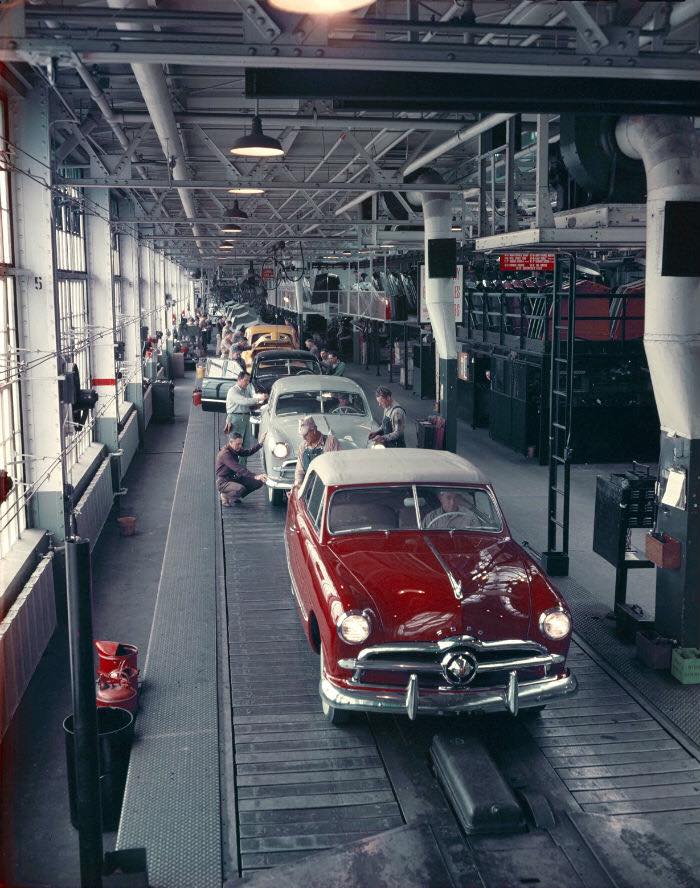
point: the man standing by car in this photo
(392, 432)
(233, 480)
(336, 367)
(312, 347)
(313, 444)
(240, 398)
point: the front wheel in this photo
(275, 497)
(333, 715)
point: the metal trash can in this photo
(115, 729)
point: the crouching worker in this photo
(233, 480)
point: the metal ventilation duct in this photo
(153, 86)
(670, 150)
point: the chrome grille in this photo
(394, 663)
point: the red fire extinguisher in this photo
(197, 398)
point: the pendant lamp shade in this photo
(236, 212)
(256, 143)
(230, 228)
(319, 7)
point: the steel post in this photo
(100, 294)
(86, 749)
(38, 317)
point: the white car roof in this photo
(395, 465)
(311, 381)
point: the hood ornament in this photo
(454, 582)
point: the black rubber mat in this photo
(302, 785)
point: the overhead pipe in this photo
(154, 89)
(670, 151)
(314, 122)
(464, 135)
(438, 293)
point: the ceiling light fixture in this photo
(236, 212)
(245, 190)
(230, 228)
(256, 143)
(456, 226)
(319, 7)
(226, 245)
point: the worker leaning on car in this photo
(240, 398)
(313, 444)
(392, 432)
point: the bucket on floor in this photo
(115, 731)
(115, 654)
(127, 526)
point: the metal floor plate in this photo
(302, 785)
(611, 754)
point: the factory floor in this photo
(39, 847)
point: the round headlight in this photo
(354, 628)
(280, 450)
(555, 624)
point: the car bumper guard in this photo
(412, 702)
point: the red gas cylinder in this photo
(197, 398)
(114, 654)
(118, 688)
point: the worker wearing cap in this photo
(313, 444)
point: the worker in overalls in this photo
(313, 444)
(392, 432)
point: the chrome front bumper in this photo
(412, 702)
(282, 477)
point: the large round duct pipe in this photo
(154, 89)
(670, 151)
(439, 298)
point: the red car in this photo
(414, 594)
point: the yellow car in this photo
(262, 336)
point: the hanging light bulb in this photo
(256, 143)
(319, 7)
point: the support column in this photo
(131, 296)
(37, 313)
(98, 246)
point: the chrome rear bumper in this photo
(411, 701)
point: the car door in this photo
(305, 556)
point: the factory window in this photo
(12, 510)
(69, 217)
(120, 319)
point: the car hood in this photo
(409, 586)
(351, 431)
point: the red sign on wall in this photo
(266, 274)
(527, 262)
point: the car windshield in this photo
(277, 367)
(362, 509)
(315, 401)
(222, 368)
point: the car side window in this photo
(313, 496)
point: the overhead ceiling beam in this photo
(322, 122)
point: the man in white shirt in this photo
(239, 400)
